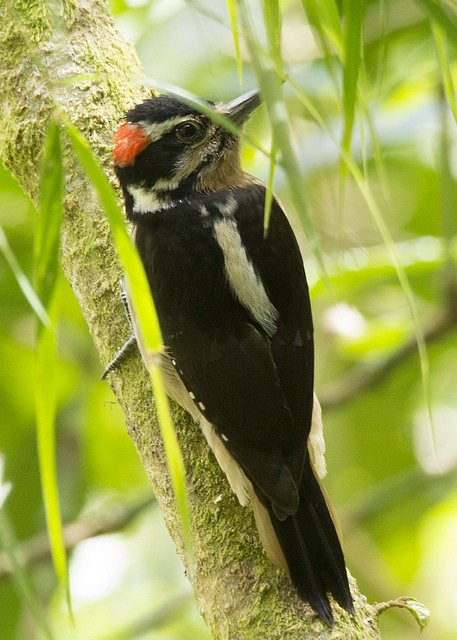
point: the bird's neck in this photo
(144, 200)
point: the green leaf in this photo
(20, 578)
(376, 213)
(418, 610)
(388, 240)
(47, 230)
(271, 88)
(272, 19)
(353, 13)
(324, 17)
(146, 316)
(45, 409)
(173, 453)
(269, 191)
(233, 17)
(22, 280)
(442, 52)
(46, 270)
(442, 17)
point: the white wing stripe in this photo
(244, 282)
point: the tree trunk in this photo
(70, 57)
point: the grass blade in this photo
(146, 316)
(20, 578)
(441, 45)
(202, 106)
(402, 277)
(353, 11)
(270, 84)
(22, 280)
(233, 17)
(47, 230)
(378, 218)
(437, 13)
(46, 269)
(45, 411)
(269, 191)
(324, 16)
(272, 19)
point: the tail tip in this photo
(323, 610)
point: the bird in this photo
(235, 315)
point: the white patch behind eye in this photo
(243, 280)
(157, 130)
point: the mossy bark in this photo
(69, 57)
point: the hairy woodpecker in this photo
(235, 316)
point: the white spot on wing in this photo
(243, 280)
(235, 475)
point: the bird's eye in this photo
(187, 131)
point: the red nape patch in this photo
(129, 139)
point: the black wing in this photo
(278, 260)
(255, 388)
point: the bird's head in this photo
(166, 149)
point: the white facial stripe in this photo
(145, 200)
(242, 278)
(159, 129)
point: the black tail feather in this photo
(312, 550)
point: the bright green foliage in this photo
(370, 88)
(47, 273)
(233, 16)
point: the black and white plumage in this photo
(235, 316)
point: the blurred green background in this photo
(392, 473)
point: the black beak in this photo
(239, 110)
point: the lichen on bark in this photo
(68, 57)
